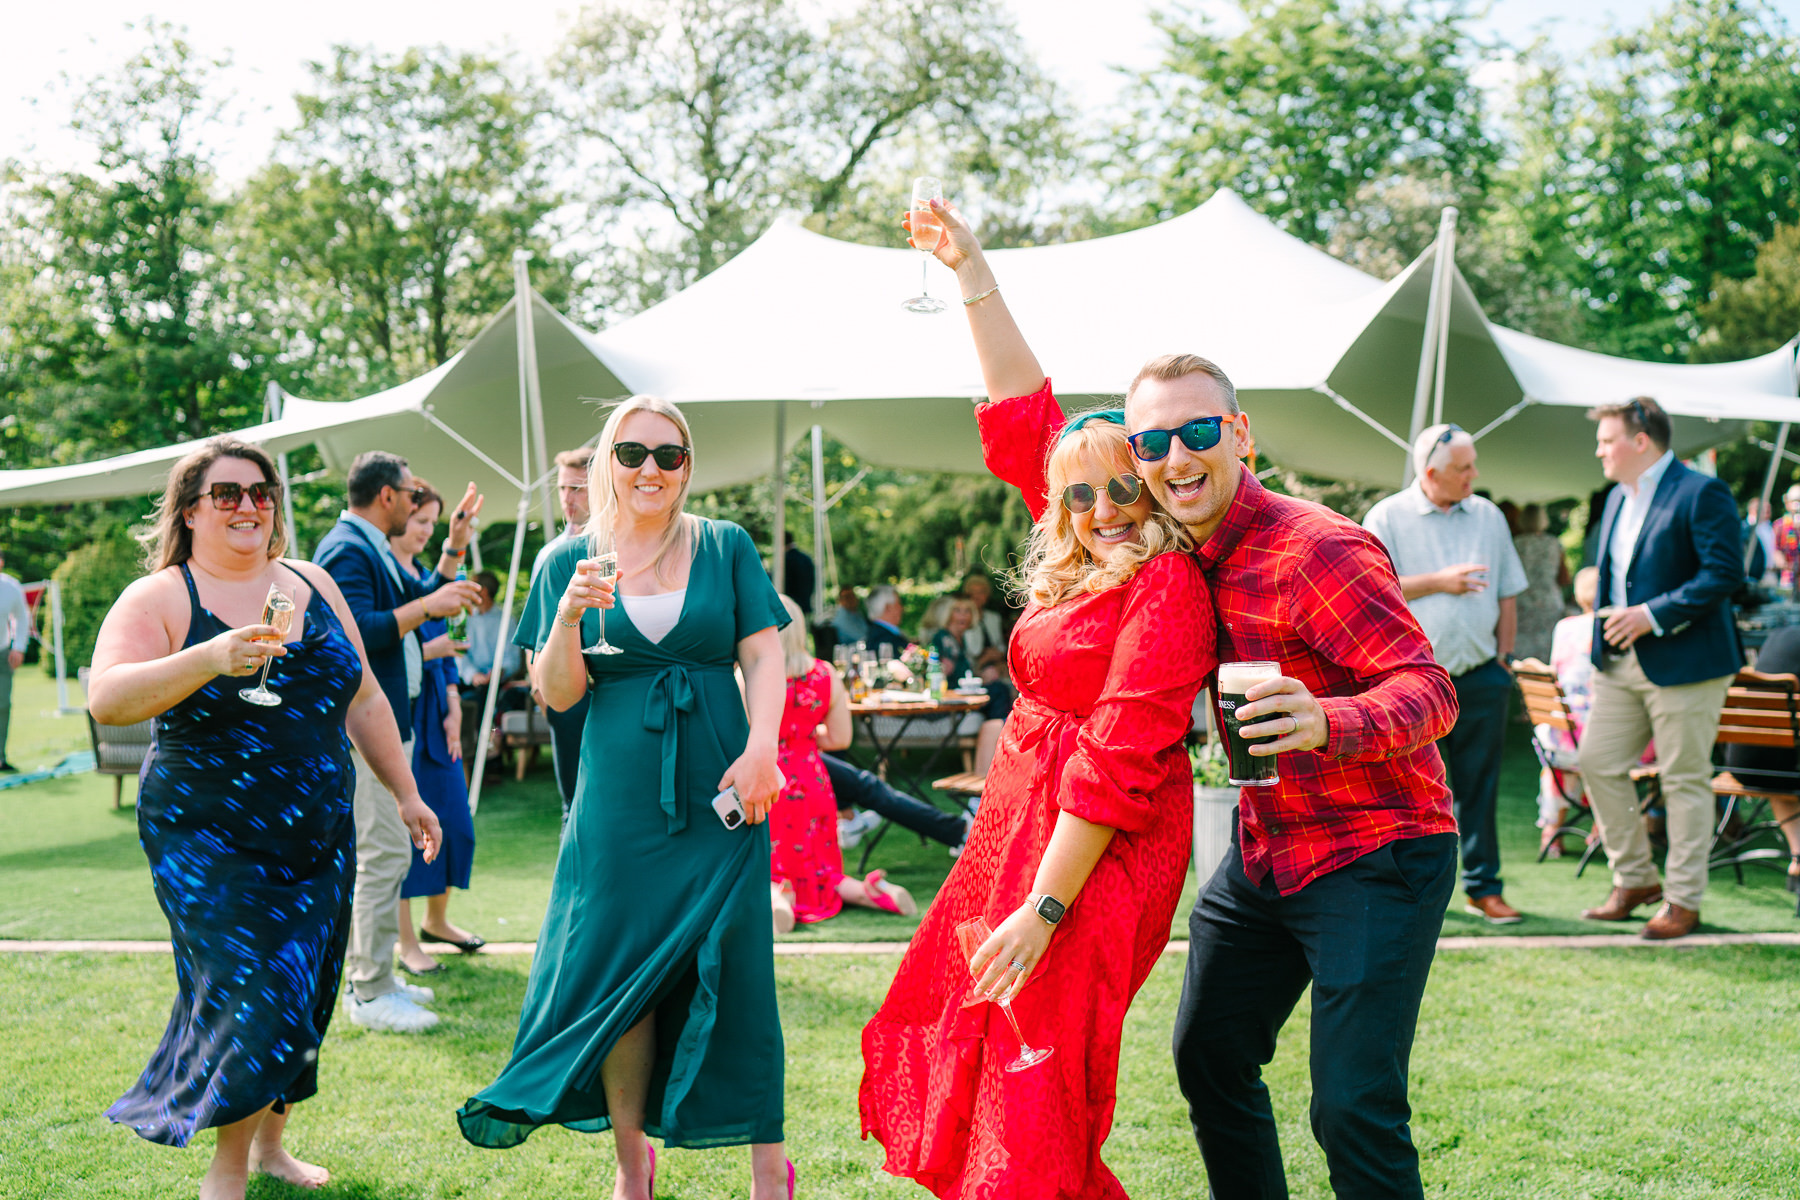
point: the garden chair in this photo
(1545, 704)
(1760, 710)
(120, 750)
(522, 731)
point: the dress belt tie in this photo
(1051, 730)
(671, 693)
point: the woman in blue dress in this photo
(437, 766)
(651, 1006)
(244, 810)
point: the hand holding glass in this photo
(927, 232)
(278, 611)
(971, 935)
(606, 565)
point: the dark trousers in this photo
(856, 787)
(565, 748)
(1364, 937)
(1471, 753)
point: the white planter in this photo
(1215, 813)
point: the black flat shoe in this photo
(469, 947)
(434, 969)
(7, 768)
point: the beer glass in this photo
(1245, 769)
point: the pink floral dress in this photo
(803, 848)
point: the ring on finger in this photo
(1017, 965)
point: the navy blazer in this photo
(1688, 561)
(361, 573)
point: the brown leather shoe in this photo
(1671, 921)
(1496, 910)
(1623, 901)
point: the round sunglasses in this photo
(669, 456)
(1124, 489)
(1202, 433)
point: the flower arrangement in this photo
(1210, 767)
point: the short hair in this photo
(1170, 367)
(488, 582)
(371, 471)
(1641, 415)
(1431, 440)
(430, 495)
(880, 598)
(578, 459)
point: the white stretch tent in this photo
(801, 330)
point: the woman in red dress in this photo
(1087, 809)
(806, 868)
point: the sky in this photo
(271, 44)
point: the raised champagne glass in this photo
(278, 610)
(927, 231)
(606, 562)
(970, 936)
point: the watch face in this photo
(1051, 909)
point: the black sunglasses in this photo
(1124, 489)
(669, 456)
(1202, 433)
(227, 497)
(415, 494)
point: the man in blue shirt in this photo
(388, 606)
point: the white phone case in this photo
(731, 809)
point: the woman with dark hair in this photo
(245, 808)
(436, 765)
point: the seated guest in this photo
(474, 667)
(947, 621)
(1571, 646)
(885, 614)
(985, 642)
(1780, 655)
(806, 870)
(857, 788)
(852, 627)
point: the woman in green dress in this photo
(651, 1005)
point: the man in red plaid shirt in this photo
(1346, 865)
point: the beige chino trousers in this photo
(383, 858)
(1629, 711)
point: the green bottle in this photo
(458, 625)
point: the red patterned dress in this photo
(1106, 689)
(803, 846)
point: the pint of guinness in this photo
(1246, 769)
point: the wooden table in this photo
(951, 708)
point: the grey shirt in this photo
(1421, 537)
(15, 617)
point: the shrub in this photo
(92, 578)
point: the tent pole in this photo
(533, 391)
(272, 412)
(778, 556)
(493, 685)
(56, 644)
(1446, 302)
(1428, 344)
(818, 507)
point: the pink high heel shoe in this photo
(790, 1168)
(652, 1189)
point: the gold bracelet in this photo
(983, 296)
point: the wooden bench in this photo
(521, 733)
(965, 783)
(120, 750)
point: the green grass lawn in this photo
(75, 871)
(1553, 1074)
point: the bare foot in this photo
(223, 1183)
(285, 1167)
(418, 960)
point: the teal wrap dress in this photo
(655, 906)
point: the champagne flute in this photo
(606, 562)
(278, 610)
(971, 935)
(927, 231)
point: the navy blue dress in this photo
(441, 783)
(245, 814)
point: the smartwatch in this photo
(1049, 909)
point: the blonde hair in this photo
(1056, 566)
(797, 660)
(1587, 587)
(604, 513)
(938, 615)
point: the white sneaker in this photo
(851, 831)
(392, 1013)
(418, 993)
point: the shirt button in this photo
(1272, 826)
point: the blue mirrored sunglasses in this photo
(1202, 433)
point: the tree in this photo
(1747, 317)
(705, 119)
(1662, 168)
(385, 227)
(1309, 103)
(121, 315)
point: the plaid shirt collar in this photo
(1238, 518)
